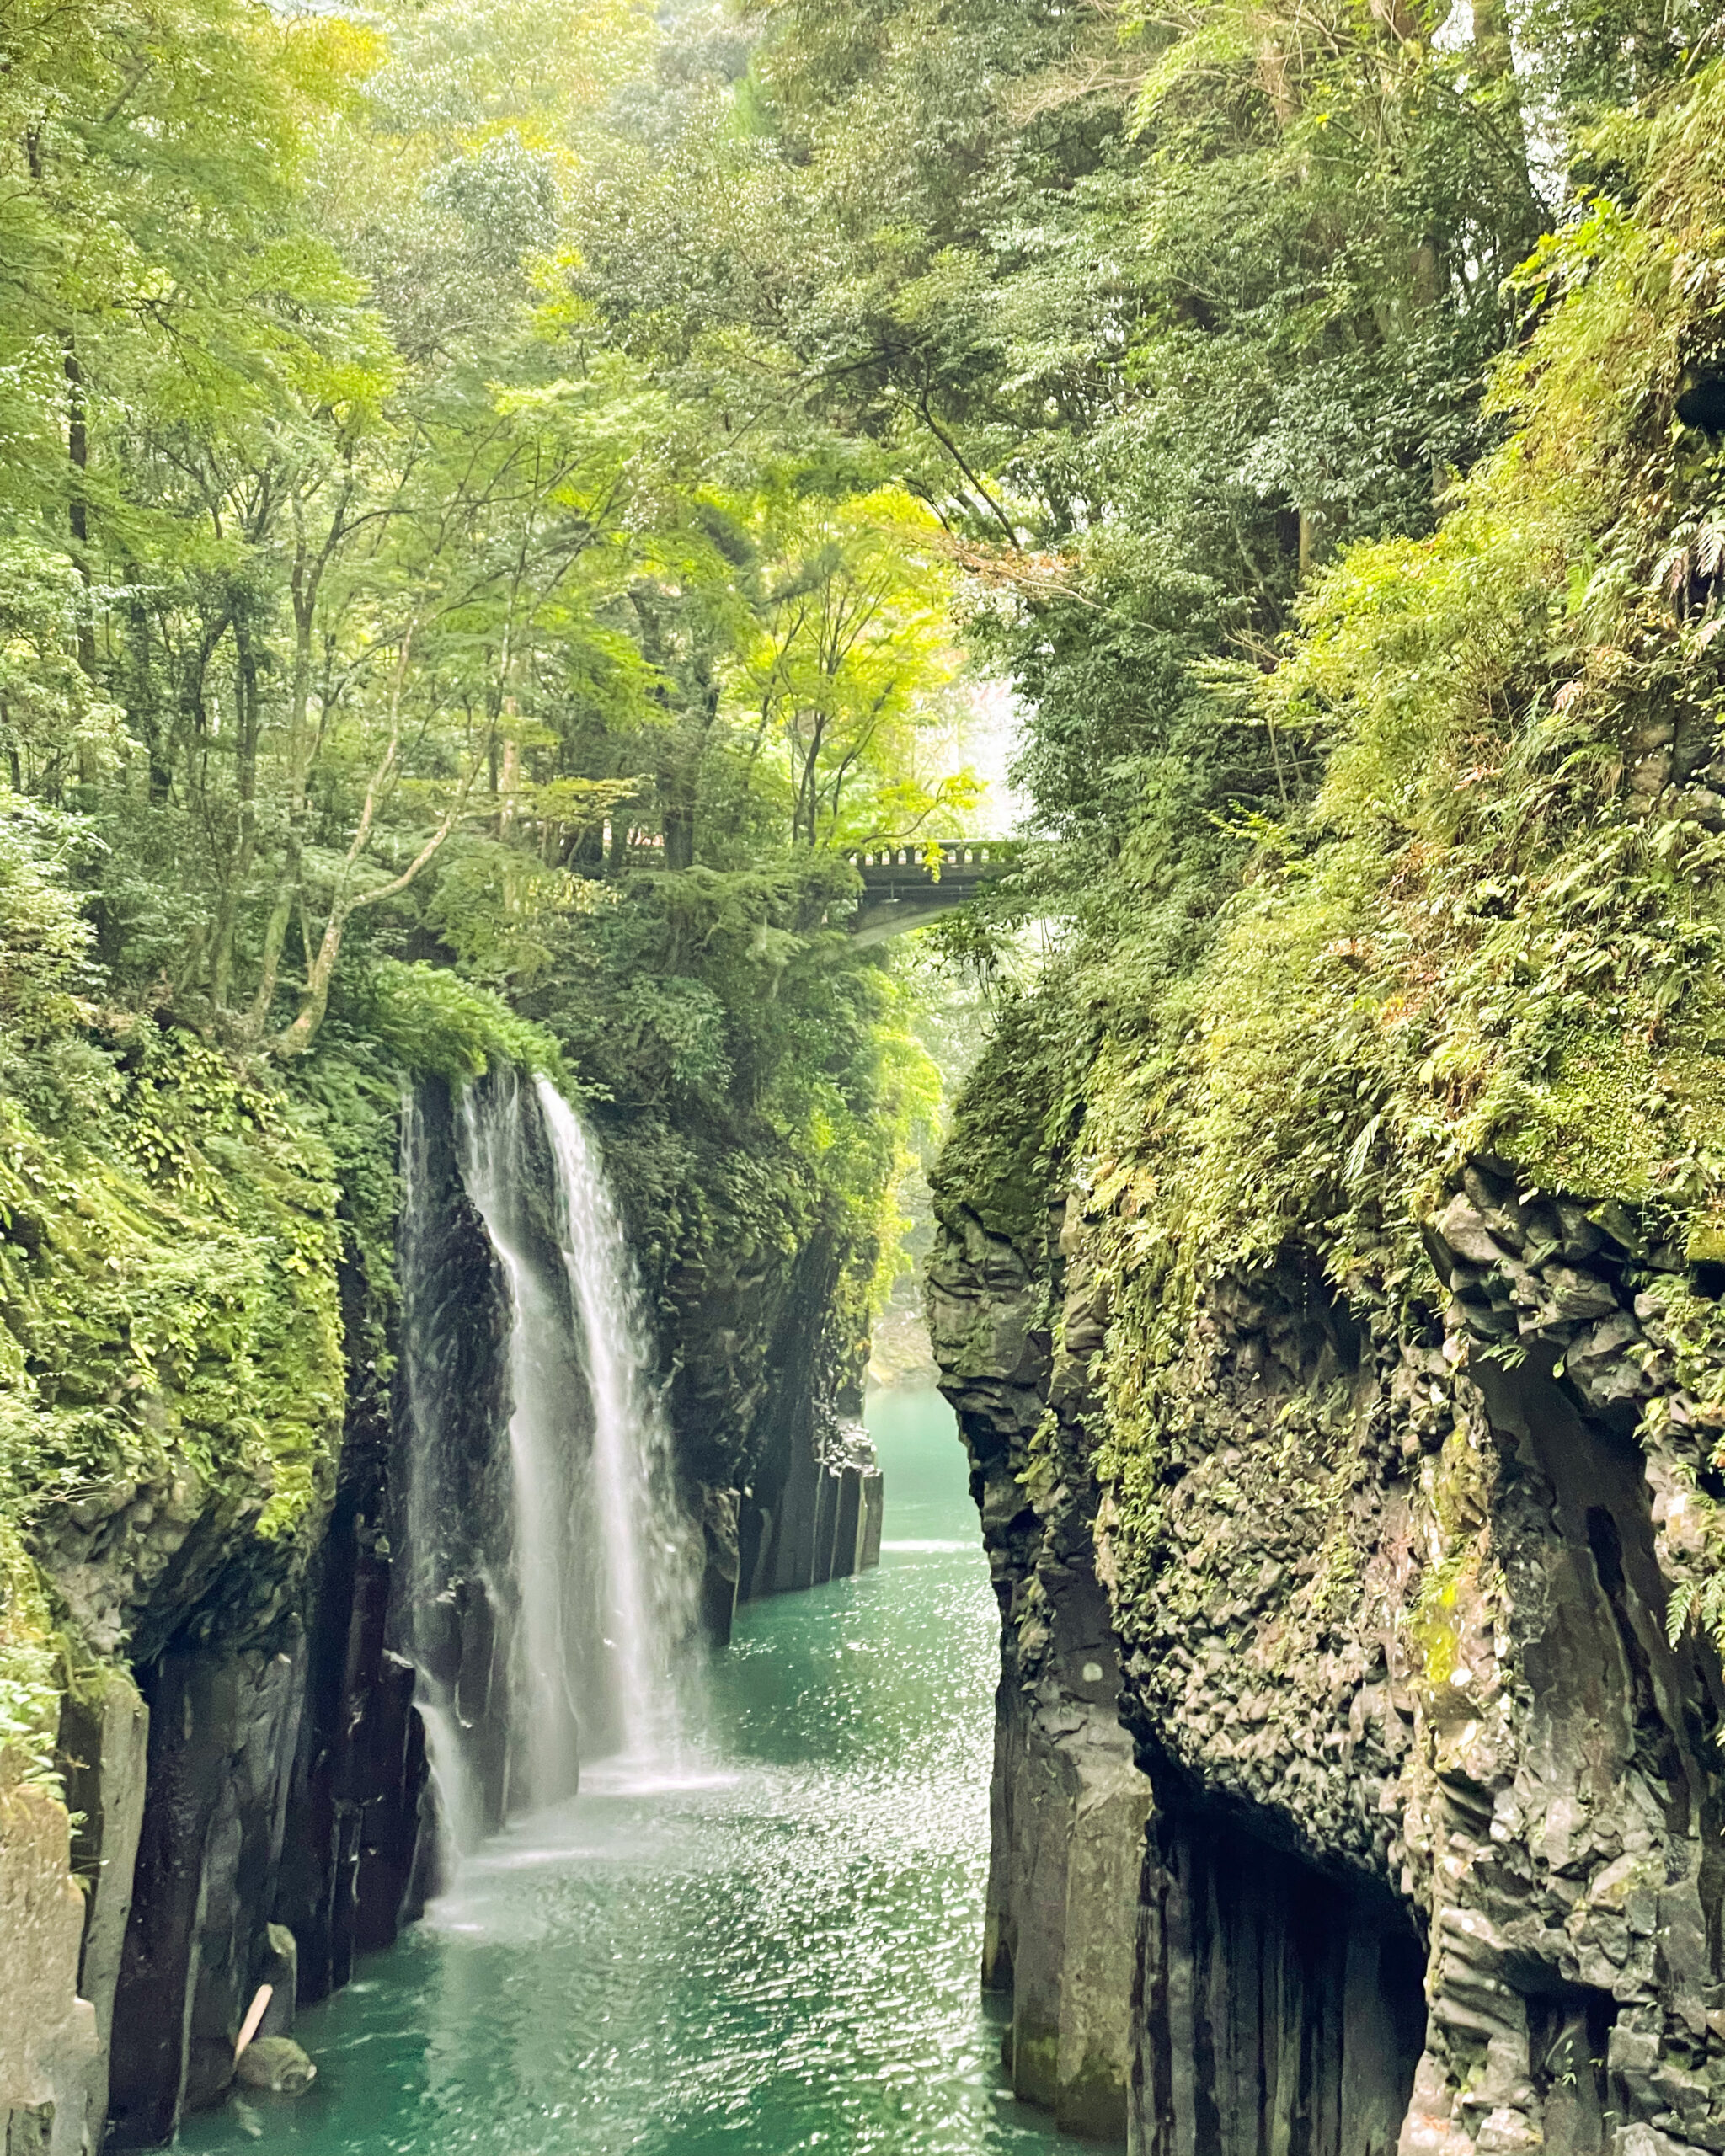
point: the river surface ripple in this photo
(773, 1952)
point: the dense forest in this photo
(409, 664)
(500, 502)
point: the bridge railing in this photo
(646, 849)
(970, 853)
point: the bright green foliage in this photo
(429, 1018)
(1494, 929)
(853, 647)
(402, 671)
(1154, 314)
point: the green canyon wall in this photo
(1335, 1326)
(215, 1772)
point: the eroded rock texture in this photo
(1069, 1803)
(1385, 1598)
(765, 1403)
(256, 1805)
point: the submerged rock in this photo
(276, 2064)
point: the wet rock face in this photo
(764, 1405)
(1068, 1803)
(221, 1744)
(439, 1480)
(1565, 1812)
(278, 1821)
(104, 1741)
(1389, 1596)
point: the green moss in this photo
(169, 1293)
(1014, 1121)
(1706, 1239)
(1614, 1114)
(1436, 1626)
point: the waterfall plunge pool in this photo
(774, 1951)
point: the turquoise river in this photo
(776, 1952)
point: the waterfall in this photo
(547, 1573)
(544, 1715)
(640, 1542)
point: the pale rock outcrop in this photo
(48, 2035)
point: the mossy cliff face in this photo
(1389, 1624)
(178, 1374)
(205, 1654)
(1335, 1331)
(759, 1284)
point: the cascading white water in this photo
(641, 1549)
(544, 1584)
(460, 1829)
(544, 1729)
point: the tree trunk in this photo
(143, 698)
(1494, 58)
(78, 450)
(248, 722)
(274, 936)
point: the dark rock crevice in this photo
(1276, 2007)
(279, 1804)
(1389, 1594)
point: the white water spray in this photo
(641, 1549)
(544, 1728)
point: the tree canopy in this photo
(519, 490)
(343, 538)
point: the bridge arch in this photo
(902, 889)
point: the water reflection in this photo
(775, 1951)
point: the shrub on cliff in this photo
(1496, 930)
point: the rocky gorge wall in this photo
(765, 1397)
(1331, 1285)
(1385, 1642)
(240, 1741)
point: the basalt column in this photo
(1278, 2007)
(1069, 1803)
(450, 1603)
(283, 1826)
(355, 1828)
(765, 1393)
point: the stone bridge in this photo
(903, 889)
